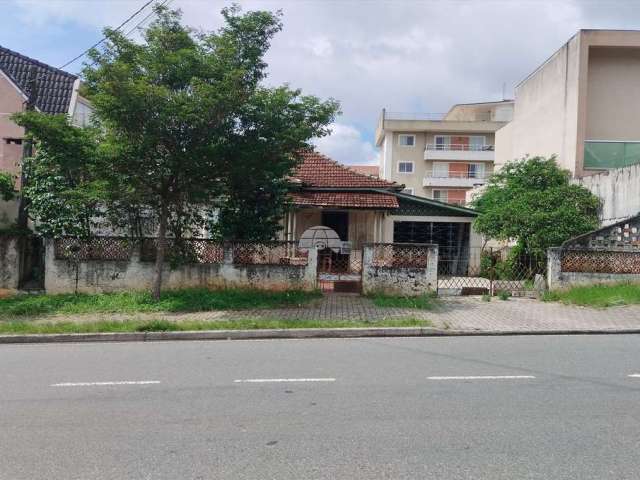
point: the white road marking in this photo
(100, 384)
(485, 377)
(278, 380)
(635, 375)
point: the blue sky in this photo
(405, 55)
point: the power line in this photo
(162, 4)
(149, 2)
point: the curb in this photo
(289, 334)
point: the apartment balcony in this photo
(455, 180)
(600, 155)
(462, 152)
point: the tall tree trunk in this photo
(160, 251)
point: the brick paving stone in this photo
(462, 313)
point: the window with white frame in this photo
(406, 140)
(408, 191)
(405, 167)
(440, 195)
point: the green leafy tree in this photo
(533, 202)
(63, 188)
(183, 124)
(7, 187)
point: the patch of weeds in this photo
(163, 325)
(599, 296)
(425, 301)
(486, 297)
(504, 295)
(183, 300)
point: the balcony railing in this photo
(413, 116)
(600, 154)
(462, 147)
(478, 176)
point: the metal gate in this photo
(340, 271)
(487, 271)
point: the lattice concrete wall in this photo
(85, 273)
(583, 267)
(400, 269)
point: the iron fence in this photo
(476, 271)
(340, 263)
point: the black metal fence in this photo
(477, 271)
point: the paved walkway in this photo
(451, 313)
(457, 313)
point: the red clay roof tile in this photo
(317, 170)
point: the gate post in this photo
(492, 271)
(432, 265)
(554, 268)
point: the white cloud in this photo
(346, 145)
(404, 56)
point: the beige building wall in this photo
(11, 101)
(545, 113)
(587, 90)
(613, 94)
(414, 154)
(504, 146)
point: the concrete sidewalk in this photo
(462, 314)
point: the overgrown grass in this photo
(186, 300)
(161, 325)
(422, 302)
(600, 296)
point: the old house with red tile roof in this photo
(364, 209)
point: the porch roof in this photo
(341, 199)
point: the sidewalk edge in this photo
(290, 334)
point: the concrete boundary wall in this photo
(97, 276)
(557, 279)
(9, 262)
(619, 190)
(402, 279)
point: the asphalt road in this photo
(561, 407)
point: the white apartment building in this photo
(441, 156)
